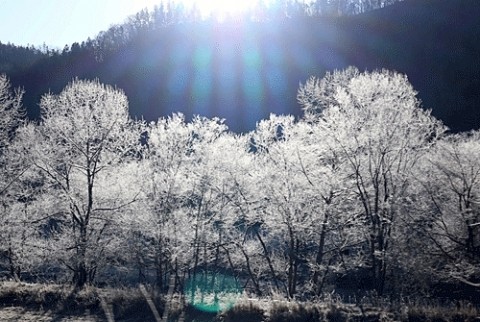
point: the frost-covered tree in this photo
(22, 246)
(10, 111)
(287, 215)
(84, 142)
(180, 194)
(327, 193)
(318, 94)
(205, 206)
(168, 162)
(228, 174)
(302, 218)
(375, 122)
(13, 198)
(451, 188)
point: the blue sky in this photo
(60, 22)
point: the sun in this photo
(220, 8)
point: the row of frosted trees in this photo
(366, 192)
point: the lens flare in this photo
(212, 292)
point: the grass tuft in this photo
(335, 314)
(243, 312)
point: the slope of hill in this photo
(437, 44)
(243, 71)
(14, 59)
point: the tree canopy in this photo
(335, 200)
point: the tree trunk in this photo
(158, 266)
(14, 269)
(80, 276)
(319, 257)
(292, 262)
(250, 272)
(269, 261)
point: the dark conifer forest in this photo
(326, 156)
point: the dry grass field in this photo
(20, 314)
(60, 303)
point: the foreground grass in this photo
(335, 311)
(125, 304)
(49, 302)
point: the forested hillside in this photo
(171, 59)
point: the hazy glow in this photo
(221, 8)
(224, 6)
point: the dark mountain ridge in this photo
(244, 70)
(437, 44)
